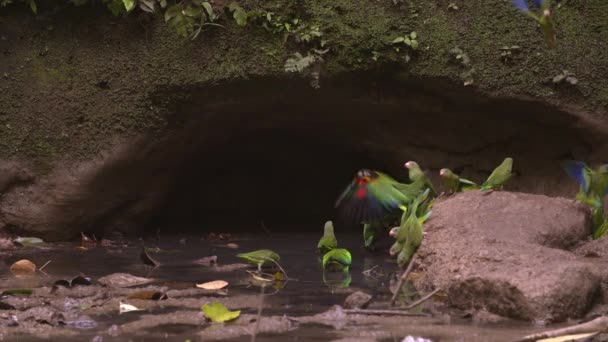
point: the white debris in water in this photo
(410, 338)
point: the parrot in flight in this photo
(373, 197)
(544, 20)
(453, 183)
(416, 174)
(499, 176)
(593, 183)
(328, 241)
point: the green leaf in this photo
(129, 4)
(193, 12)
(29, 241)
(209, 10)
(15, 292)
(407, 41)
(33, 6)
(163, 3)
(217, 312)
(172, 11)
(398, 40)
(413, 35)
(414, 44)
(239, 15)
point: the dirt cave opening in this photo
(279, 153)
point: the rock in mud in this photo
(123, 280)
(507, 253)
(357, 300)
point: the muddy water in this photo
(304, 295)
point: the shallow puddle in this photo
(304, 295)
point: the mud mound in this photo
(508, 253)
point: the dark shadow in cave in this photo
(283, 179)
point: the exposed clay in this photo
(507, 253)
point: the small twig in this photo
(279, 266)
(597, 325)
(259, 315)
(402, 279)
(422, 300)
(382, 312)
(266, 230)
(369, 272)
(43, 266)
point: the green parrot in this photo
(499, 176)
(338, 259)
(410, 231)
(328, 241)
(593, 183)
(260, 257)
(372, 198)
(416, 173)
(453, 183)
(544, 20)
(600, 225)
(601, 230)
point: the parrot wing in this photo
(578, 171)
(339, 255)
(370, 201)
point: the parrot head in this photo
(411, 165)
(445, 172)
(393, 232)
(365, 176)
(328, 229)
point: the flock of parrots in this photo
(376, 200)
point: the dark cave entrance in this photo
(274, 151)
(285, 179)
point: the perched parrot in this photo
(416, 173)
(593, 183)
(499, 176)
(600, 225)
(601, 230)
(544, 20)
(260, 257)
(453, 183)
(328, 240)
(410, 230)
(338, 259)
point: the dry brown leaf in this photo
(213, 285)
(154, 295)
(23, 268)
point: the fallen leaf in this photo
(232, 245)
(29, 241)
(565, 338)
(23, 268)
(123, 280)
(217, 312)
(147, 259)
(153, 295)
(124, 307)
(16, 292)
(213, 285)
